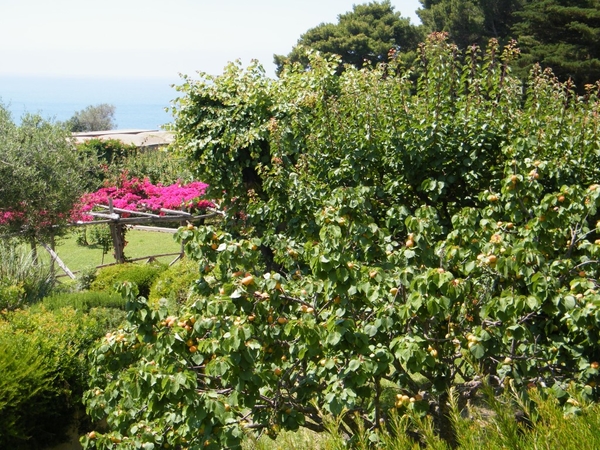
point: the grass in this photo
(302, 439)
(140, 244)
(493, 425)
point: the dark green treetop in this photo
(470, 21)
(563, 35)
(364, 35)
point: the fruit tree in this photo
(388, 234)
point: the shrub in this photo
(143, 275)
(116, 158)
(43, 365)
(24, 376)
(83, 301)
(85, 279)
(174, 284)
(95, 236)
(23, 278)
(108, 151)
(158, 166)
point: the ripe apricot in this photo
(247, 280)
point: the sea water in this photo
(139, 103)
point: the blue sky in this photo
(156, 38)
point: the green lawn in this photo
(140, 244)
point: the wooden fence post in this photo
(116, 232)
(56, 258)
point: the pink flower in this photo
(141, 195)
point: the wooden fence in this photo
(114, 217)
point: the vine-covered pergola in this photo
(119, 218)
(131, 202)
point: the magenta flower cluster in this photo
(141, 195)
(18, 218)
(9, 217)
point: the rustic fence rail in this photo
(114, 218)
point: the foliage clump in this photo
(142, 275)
(114, 158)
(425, 229)
(43, 364)
(174, 285)
(83, 301)
(23, 279)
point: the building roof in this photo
(139, 138)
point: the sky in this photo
(156, 38)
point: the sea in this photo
(139, 103)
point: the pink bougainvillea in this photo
(10, 217)
(132, 194)
(141, 195)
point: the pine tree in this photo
(363, 35)
(470, 21)
(563, 35)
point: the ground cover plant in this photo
(173, 287)
(388, 236)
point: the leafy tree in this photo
(387, 235)
(563, 35)
(109, 151)
(366, 34)
(93, 118)
(116, 158)
(42, 173)
(470, 21)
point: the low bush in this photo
(23, 278)
(174, 284)
(24, 376)
(43, 365)
(143, 275)
(83, 301)
(85, 279)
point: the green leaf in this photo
(353, 365)
(477, 350)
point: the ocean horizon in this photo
(139, 103)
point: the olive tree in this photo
(43, 175)
(93, 118)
